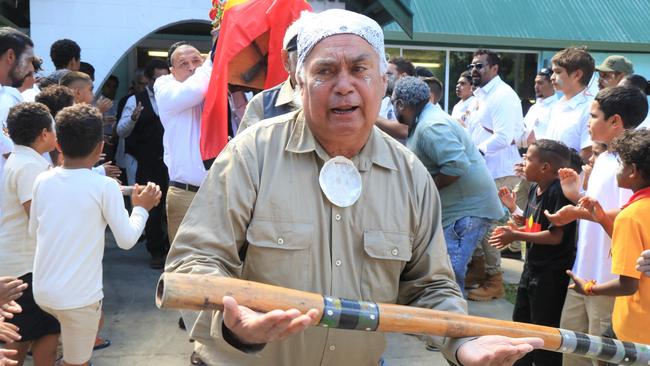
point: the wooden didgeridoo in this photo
(201, 292)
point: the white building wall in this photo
(107, 29)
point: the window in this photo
(517, 69)
(432, 60)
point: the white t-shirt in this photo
(593, 258)
(70, 211)
(569, 121)
(17, 247)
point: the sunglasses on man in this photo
(477, 66)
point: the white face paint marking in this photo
(317, 83)
(368, 79)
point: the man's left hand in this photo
(496, 350)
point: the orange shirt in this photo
(631, 236)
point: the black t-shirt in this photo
(540, 256)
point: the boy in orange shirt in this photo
(631, 236)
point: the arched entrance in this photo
(107, 31)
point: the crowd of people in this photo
(399, 201)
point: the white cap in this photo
(317, 26)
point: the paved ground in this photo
(145, 336)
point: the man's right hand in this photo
(135, 115)
(11, 288)
(570, 182)
(251, 327)
(147, 196)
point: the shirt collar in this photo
(638, 195)
(375, 151)
(577, 99)
(489, 87)
(548, 100)
(428, 108)
(28, 151)
(286, 93)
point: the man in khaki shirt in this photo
(262, 216)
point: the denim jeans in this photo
(462, 237)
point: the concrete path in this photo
(142, 335)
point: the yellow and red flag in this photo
(244, 21)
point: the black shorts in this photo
(33, 322)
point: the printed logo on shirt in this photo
(532, 226)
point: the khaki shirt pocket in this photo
(279, 253)
(386, 256)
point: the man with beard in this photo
(494, 125)
(468, 195)
(16, 64)
(613, 70)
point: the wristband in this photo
(589, 288)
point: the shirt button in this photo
(280, 241)
(338, 262)
(332, 348)
(338, 217)
(394, 251)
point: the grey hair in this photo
(411, 90)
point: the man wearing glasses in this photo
(494, 127)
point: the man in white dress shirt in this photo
(494, 125)
(179, 97)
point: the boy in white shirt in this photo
(70, 210)
(31, 128)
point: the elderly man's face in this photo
(342, 88)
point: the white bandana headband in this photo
(316, 26)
